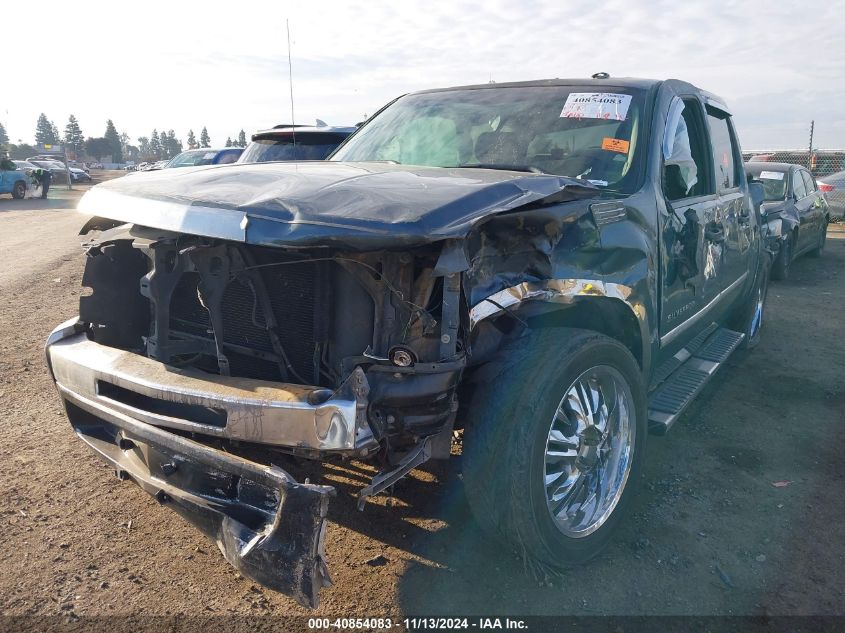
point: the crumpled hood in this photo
(322, 203)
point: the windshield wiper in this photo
(529, 168)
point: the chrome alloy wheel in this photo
(589, 451)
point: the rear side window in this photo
(808, 182)
(724, 150)
(798, 186)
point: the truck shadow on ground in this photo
(452, 566)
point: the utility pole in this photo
(810, 152)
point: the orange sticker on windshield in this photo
(615, 145)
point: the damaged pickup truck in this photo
(555, 267)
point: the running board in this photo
(694, 368)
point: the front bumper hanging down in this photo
(267, 525)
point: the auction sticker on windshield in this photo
(596, 105)
(771, 175)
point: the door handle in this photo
(715, 233)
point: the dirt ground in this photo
(709, 534)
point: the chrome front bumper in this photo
(283, 415)
(267, 525)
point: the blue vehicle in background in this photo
(12, 179)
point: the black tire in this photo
(819, 249)
(745, 316)
(19, 190)
(780, 267)
(508, 427)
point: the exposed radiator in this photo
(298, 297)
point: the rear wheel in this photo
(780, 267)
(19, 190)
(553, 447)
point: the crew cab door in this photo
(689, 231)
(729, 260)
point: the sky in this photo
(224, 65)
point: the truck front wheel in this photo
(554, 445)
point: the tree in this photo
(165, 146)
(129, 151)
(44, 131)
(125, 145)
(99, 147)
(162, 145)
(144, 146)
(155, 146)
(169, 145)
(241, 139)
(192, 140)
(73, 135)
(21, 151)
(205, 140)
(4, 138)
(228, 141)
(174, 145)
(114, 139)
(133, 154)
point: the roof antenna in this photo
(290, 79)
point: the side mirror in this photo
(757, 193)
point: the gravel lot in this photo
(710, 533)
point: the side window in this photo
(685, 171)
(808, 182)
(798, 186)
(724, 154)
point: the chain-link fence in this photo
(826, 165)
